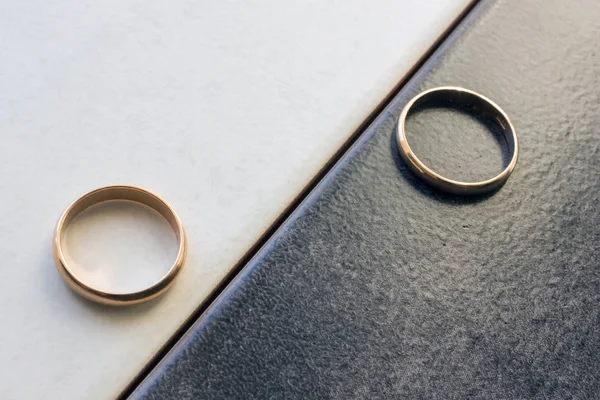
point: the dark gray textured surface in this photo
(380, 287)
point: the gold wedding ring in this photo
(479, 104)
(101, 195)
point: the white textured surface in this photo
(226, 109)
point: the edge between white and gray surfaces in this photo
(227, 111)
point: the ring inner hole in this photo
(460, 141)
(120, 246)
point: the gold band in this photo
(482, 105)
(130, 193)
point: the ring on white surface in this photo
(101, 195)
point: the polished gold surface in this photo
(482, 105)
(130, 193)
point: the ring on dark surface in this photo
(101, 195)
(482, 105)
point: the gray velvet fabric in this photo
(380, 287)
